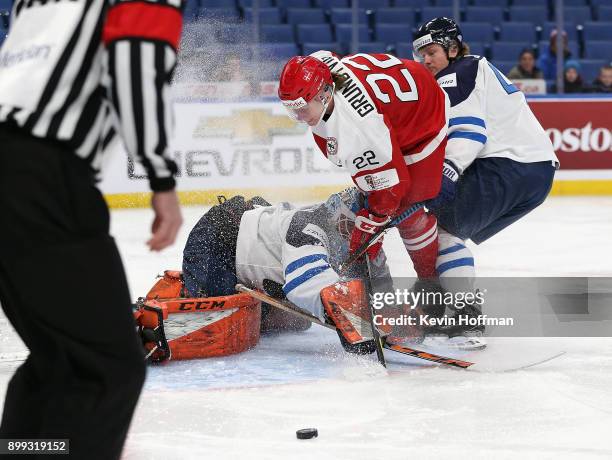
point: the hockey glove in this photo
(450, 175)
(366, 227)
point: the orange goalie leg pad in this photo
(168, 286)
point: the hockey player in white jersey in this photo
(499, 163)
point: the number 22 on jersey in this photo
(373, 79)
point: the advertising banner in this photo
(254, 148)
(223, 147)
(579, 130)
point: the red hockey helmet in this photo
(303, 77)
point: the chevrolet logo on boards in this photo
(249, 126)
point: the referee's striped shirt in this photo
(112, 74)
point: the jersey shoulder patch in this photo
(459, 78)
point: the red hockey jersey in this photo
(388, 128)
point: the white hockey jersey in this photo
(298, 248)
(489, 116)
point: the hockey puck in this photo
(307, 433)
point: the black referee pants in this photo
(63, 288)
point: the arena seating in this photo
(497, 29)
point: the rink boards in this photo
(253, 148)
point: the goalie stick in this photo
(291, 308)
(378, 341)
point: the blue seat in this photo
(286, 4)
(477, 31)
(578, 14)
(447, 3)
(597, 31)
(598, 3)
(345, 16)
(329, 4)
(412, 3)
(374, 4)
(372, 48)
(477, 48)
(305, 16)
(249, 3)
(6, 5)
(266, 15)
(598, 50)
(590, 68)
(344, 34)
(488, 14)
(392, 33)
(496, 3)
(430, 12)
(604, 13)
(233, 33)
(403, 50)
(517, 32)
(504, 66)
(507, 51)
(217, 3)
(535, 14)
(572, 45)
(190, 12)
(395, 15)
(576, 2)
(312, 47)
(219, 14)
(570, 30)
(317, 33)
(279, 51)
(277, 33)
(523, 2)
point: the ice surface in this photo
(249, 406)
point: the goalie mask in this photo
(442, 31)
(343, 208)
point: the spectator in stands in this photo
(230, 70)
(526, 67)
(603, 83)
(572, 80)
(548, 58)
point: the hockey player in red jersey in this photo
(384, 120)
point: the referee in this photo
(73, 75)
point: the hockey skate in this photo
(454, 328)
(460, 329)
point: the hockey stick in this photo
(294, 309)
(378, 235)
(378, 341)
(283, 305)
